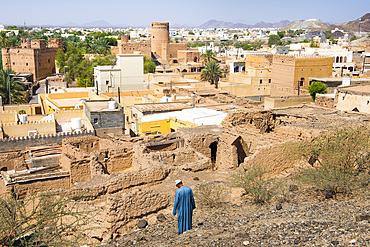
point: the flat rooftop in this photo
(198, 116)
(99, 106)
(163, 106)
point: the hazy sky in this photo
(187, 12)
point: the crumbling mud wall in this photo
(186, 159)
(13, 160)
(277, 159)
(232, 151)
(262, 120)
(31, 184)
(124, 210)
(111, 161)
(101, 186)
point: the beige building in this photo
(127, 74)
(33, 56)
(289, 71)
(255, 81)
(353, 98)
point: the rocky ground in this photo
(306, 220)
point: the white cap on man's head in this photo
(178, 181)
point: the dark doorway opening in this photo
(238, 143)
(213, 148)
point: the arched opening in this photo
(184, 70)
(195, 59)
(240, 150)
(345, 59)
(355, 109)
(213, 148)
(3, 169)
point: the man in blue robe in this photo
(184, 205)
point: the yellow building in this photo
(172, 121)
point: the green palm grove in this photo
(17, 93)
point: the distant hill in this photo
(223, 24)
(310, 24)
(100, 23)
(70, 24)
(352, 26)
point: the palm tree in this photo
(208, 56)
(212, 73)
(4, 40)
(17, 92)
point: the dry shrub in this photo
(42, 220)
(254, 181)
(339, 158)
(211, 194)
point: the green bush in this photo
(253, 180)
(340, 159)
(317, 87)
(210, 194)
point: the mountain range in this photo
(222, 24)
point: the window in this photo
(95, 120)
(260, 81)
(26, 64)
(48, 60)
(106, 82)
(269, 80)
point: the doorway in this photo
(213, 148)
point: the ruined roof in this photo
(315, 117)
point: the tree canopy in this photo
(317, 87)
(212, 73)
(17, 93)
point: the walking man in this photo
(184, 205)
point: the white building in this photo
(127, 74)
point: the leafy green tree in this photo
(235, 36)
(281, 34)
(317, 87)
(208, 56)
(353, 38)
(274, 40)
(212, 73)
(17, 93)
(149, 65)
(247, 47)
(238, 45)
(257, 44)
(4, 40)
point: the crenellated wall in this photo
(39, 140)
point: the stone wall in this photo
(37, 183)
(39, 140)
(324, 101)
(101, 186)
(111, 161)
(184, 158)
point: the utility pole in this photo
(10, 97)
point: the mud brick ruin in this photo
(131, 178)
